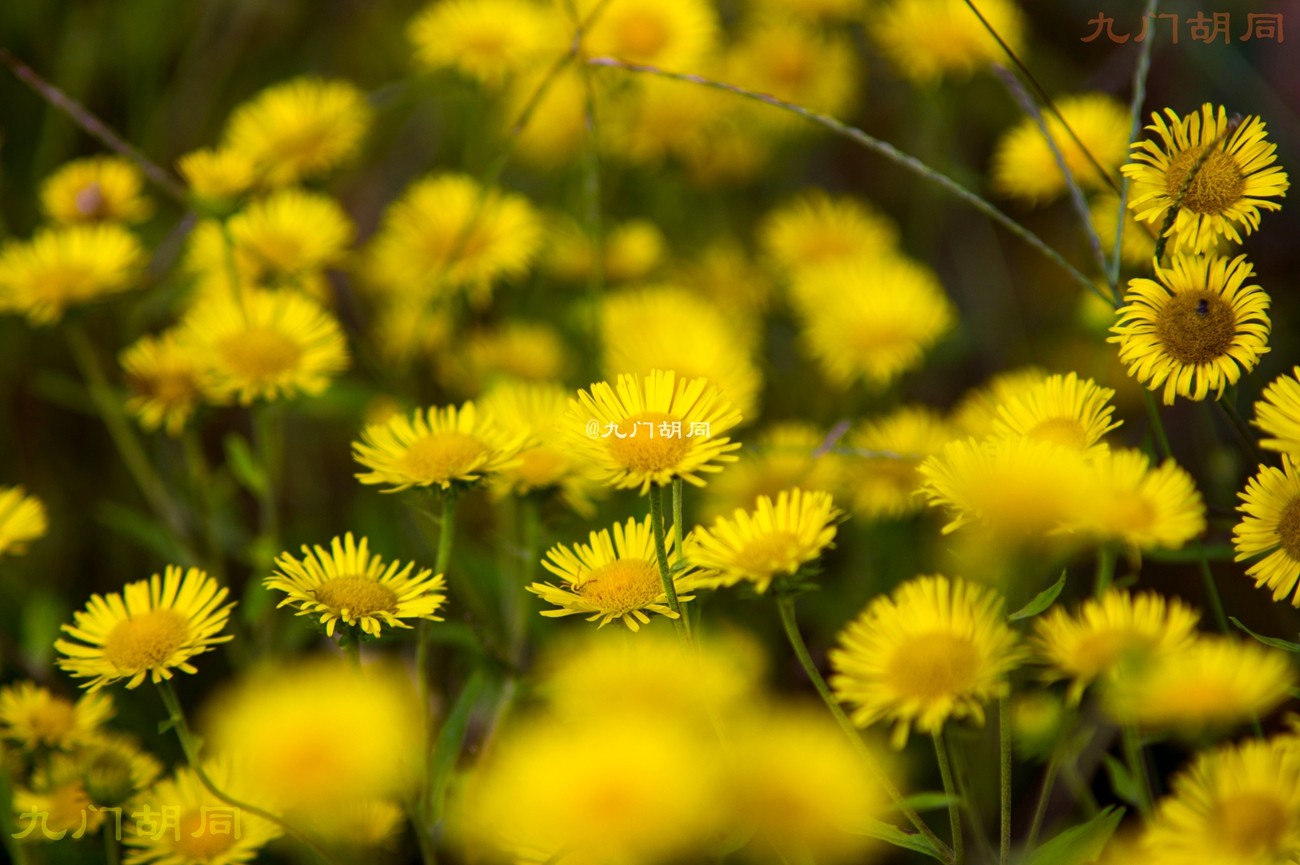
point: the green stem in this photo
(1135, 127)
(201, 478)
(1105, 570)
(1137, 767)
(679, 532)
(665, 572)
(1079, 788)
(532, 536)
(1044, 797)
(268, 435)
(969, 801)
(1004, 760)
(352, 648)
(789, 622)
(1157, 425)
(190, 745)
(1229, 409)
(112, 854)
(1211, 588)
(954, 810)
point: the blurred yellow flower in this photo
(556, 129)
(1024, 166)
(96, 189)
(817, 230)
(1146, 508)
(1271, 525)
(926, 40)
(217, 175)
(977, 411)
(60, 794)
(113, 769)
(780, 458)
(484, 39)
(881, 480)
(22, 520)
(935, 649)
(797, 63)
(514, 350)
(1061, 409)
(33, 717)
(725, 274)
(149, 629)
(166, 384)
(346, 583)
(63, 267)
(632, 250)
(818, 10)
(287, 235)
(671, 34)
(1277, 414)
(358, 825)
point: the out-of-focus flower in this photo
(487, 40)
(671, 34)
(1146, 508)
(816, 230)
(166, 383)
(926, 40)
(33, 717)
(286, 237)
(1063, 410)
(63, 267)
(217, 176)
(794, 62)
(881, 479)
(98, 189)
(515, 350)
(1271, 525)
(632, 250)
(1038, 718)
(1025, 167)
(22, 520)
(1139, 244)
(781, 457)
(977, 411)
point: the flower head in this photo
(670, 34)
(632, 250)
(817, 230)
(1146, 508)
(483, 39)
(882, 476)
(1025, 167)
(151, 628)
(783, 456)
(218, 176)
(1198, 328)
(33, 717)
(166, 384)
(1138, 246)
(286, 236)
(1278, 414)
(795, 62)
(1061, 409)
(22, 520)
(63, 267)
(978, 411)
(346, 583)
(1271, 525)
(928, 39)
(98, 189)
(515, 350)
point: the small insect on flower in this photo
(98, 189)
(22, 520)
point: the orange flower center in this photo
(1065, 431)
(641, 36)
(1196, 327)
(1288, 529)
(1217, 185)
(622, 585)
(643, 448)
(1251, 824)
(358, 595)
(259, 353)
(933, 666)
(207, 845)
(442, 456)
(146, 641)
(51, 721)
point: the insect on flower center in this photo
(1065, 431)
(147, 640)
(259, 353)
(643, 448)
(358, 595)
(622, 585)
(442, 456)
(51, 721)
(207, 845)
(1250, 823)
(1196, 327)
(933, 665)
(641, 35)
(1288, 529)
(1217, 185)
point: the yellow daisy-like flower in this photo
(264, 345)
(671, 34)
(873, 322)
(152, 627)
(782, 457)
(1116, 629)
(300, 128)
(935, 649)
(437, 446)
(98, 189)
(557, 128)
(63, 267)
(206, 833)
(1197, 329)
(217, 175)
(817, 230)
(1236, 805)
(725, 274)
(651, 429)
(632, 250)
(883, 476)
(113, 769)
(1063, 410)
(59, 793)
(614, 579)
(515, 350)
(1278, 414)
(1227, 192)
(928, 39)
(1139, 244)
(1271, 505)
(483, 39)
(33, 717)
(977, 411)
(286, 235)
(1146, 508)
(166, 384)
(346, 583)
(22, 520)
(1217, 682)
(762, 544)
(797, 63)
(1024, 165)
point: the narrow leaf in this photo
(1041, 601)
(930, 801)
(893, 835)
(1081, 844)
(1268, 641)
(451, 738)
(243, 465)
(1122, 781)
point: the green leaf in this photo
(451, 738)
(1081, 844)
(1268, 641)
(1041, 601)
(931, 801)
(893, 835)
(244, 466)
(1122, 781)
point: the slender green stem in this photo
(190, 746)
(112, 853)
(424, 644)
(1211, 588)
(532, 537)
(1135, 127)
(678, 522)
(790, 623)
(1229, 409)
(665, 572)
(954, 810)
(352, 648)
(1105, 570)
(969, 801)
(1044, 797)
(268, 435)
(1079, 787)
(1157, 425)
(1137, 767)
(1004, 761)
(201, 478)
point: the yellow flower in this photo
(1217, 682)
(34, 717)
(671, 34)
(22, 520)
(664, 117)
(817, 230)
(113, 769)
(882, 477)
(97, 189)
(1038, 718)
(359, 825)
(936, 649)
(1198, 329)
(280, 239)
(483, 39)
(1024, 166)
(615, 579)
(1146, 508)
(1114, 630)
(63, 267)
(166, 385)
(1227, 192)
(665, 327)
(556, 130)
(1139, 244)
(152, 627)
(264, 345)
(632, 250)
(977, 411)
(206, 826)
(300, 128)
(217, 175)
(797, 63)
(928, 39)
(439, 446)
(1236, 805)
(346, 583)
(817, 10)
(1278, 414)
(1063, 410)
(763, 544)
(781, 458)
(1271, 505)
(652, 429)
(515, 350)
(724, 274)
(62, 796)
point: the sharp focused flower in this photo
(346, 583)
(1146, 508)
(264, 345)
(652, 429)
(935, 649)
(797, 63)
(483, 39)
(437, 446)
(152, 627)
(63, 267)
(928, 39)
(1025, 167)
(166, 384)
(817, 230)
(1278, 414)
(300, 128)
(22, 520)
(1271, 525)
(1199, 328)
(98, 189)
(782, 457)
(33, 717)
(1063, 410)
(763, 544)
(1115, 630)
(1226, 193)
(670, 34)
(613, 579)
(882, 477)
